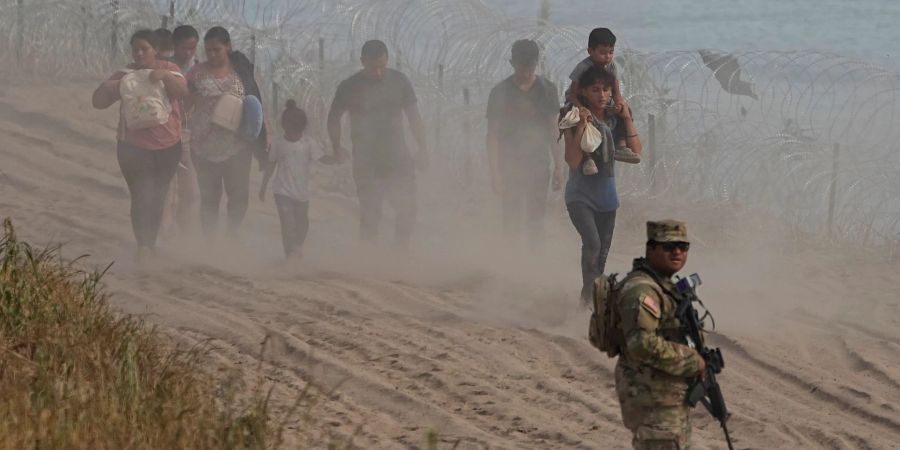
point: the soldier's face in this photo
(668, 258)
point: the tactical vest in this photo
(670, 328)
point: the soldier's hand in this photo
(702, 373)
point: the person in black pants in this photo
(377, 99)
(148, 156)
(521, 115)
(148, 174)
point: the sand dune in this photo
(467, 336)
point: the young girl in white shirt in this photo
(290, 158)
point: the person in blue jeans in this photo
(592, 200)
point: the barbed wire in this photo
(772, 130)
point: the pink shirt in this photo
(158, 137)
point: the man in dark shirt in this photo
(377, 98)
(521, 141)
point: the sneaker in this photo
(589, 167)
(625, 155)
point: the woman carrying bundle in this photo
(222, 154)
(148, 142)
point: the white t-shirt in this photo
(294, 160)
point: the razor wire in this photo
(815, 142)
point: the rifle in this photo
(705, 389)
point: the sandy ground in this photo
(468, 335)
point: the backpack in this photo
(144, 104)
(602, 330)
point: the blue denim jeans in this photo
(596, 230)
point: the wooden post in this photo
(20, 30)
(172, 13)
(114, 36)
(164, 21)
(651, 144)
(544, 14)
(832, 189)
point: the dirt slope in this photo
(466, 336)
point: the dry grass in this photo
(75, 375)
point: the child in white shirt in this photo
(290, 158)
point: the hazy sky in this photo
(859, 28)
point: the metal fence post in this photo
(276, 104)
(467, 137)
(114, 36)
(651, 144)
(832, 189)
(84, 29)
(440, 109)
(321, 53)
(20, 30)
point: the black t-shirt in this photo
(524, 118)
(376, 115)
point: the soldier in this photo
(655, 364)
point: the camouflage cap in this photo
(667, 231)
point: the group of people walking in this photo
(203, 155)
(167, 163)
(177, 136)
(190, 151)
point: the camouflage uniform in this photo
(655, 364)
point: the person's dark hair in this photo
(601, 36)
(374, 49)
(163, 38)
(593, 76)
(596, 75)
(219, 34)
(184, 32)
(525, 52)
(293, 118)
(145, 35)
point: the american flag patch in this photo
(650, 304)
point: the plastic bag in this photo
(592, 136)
